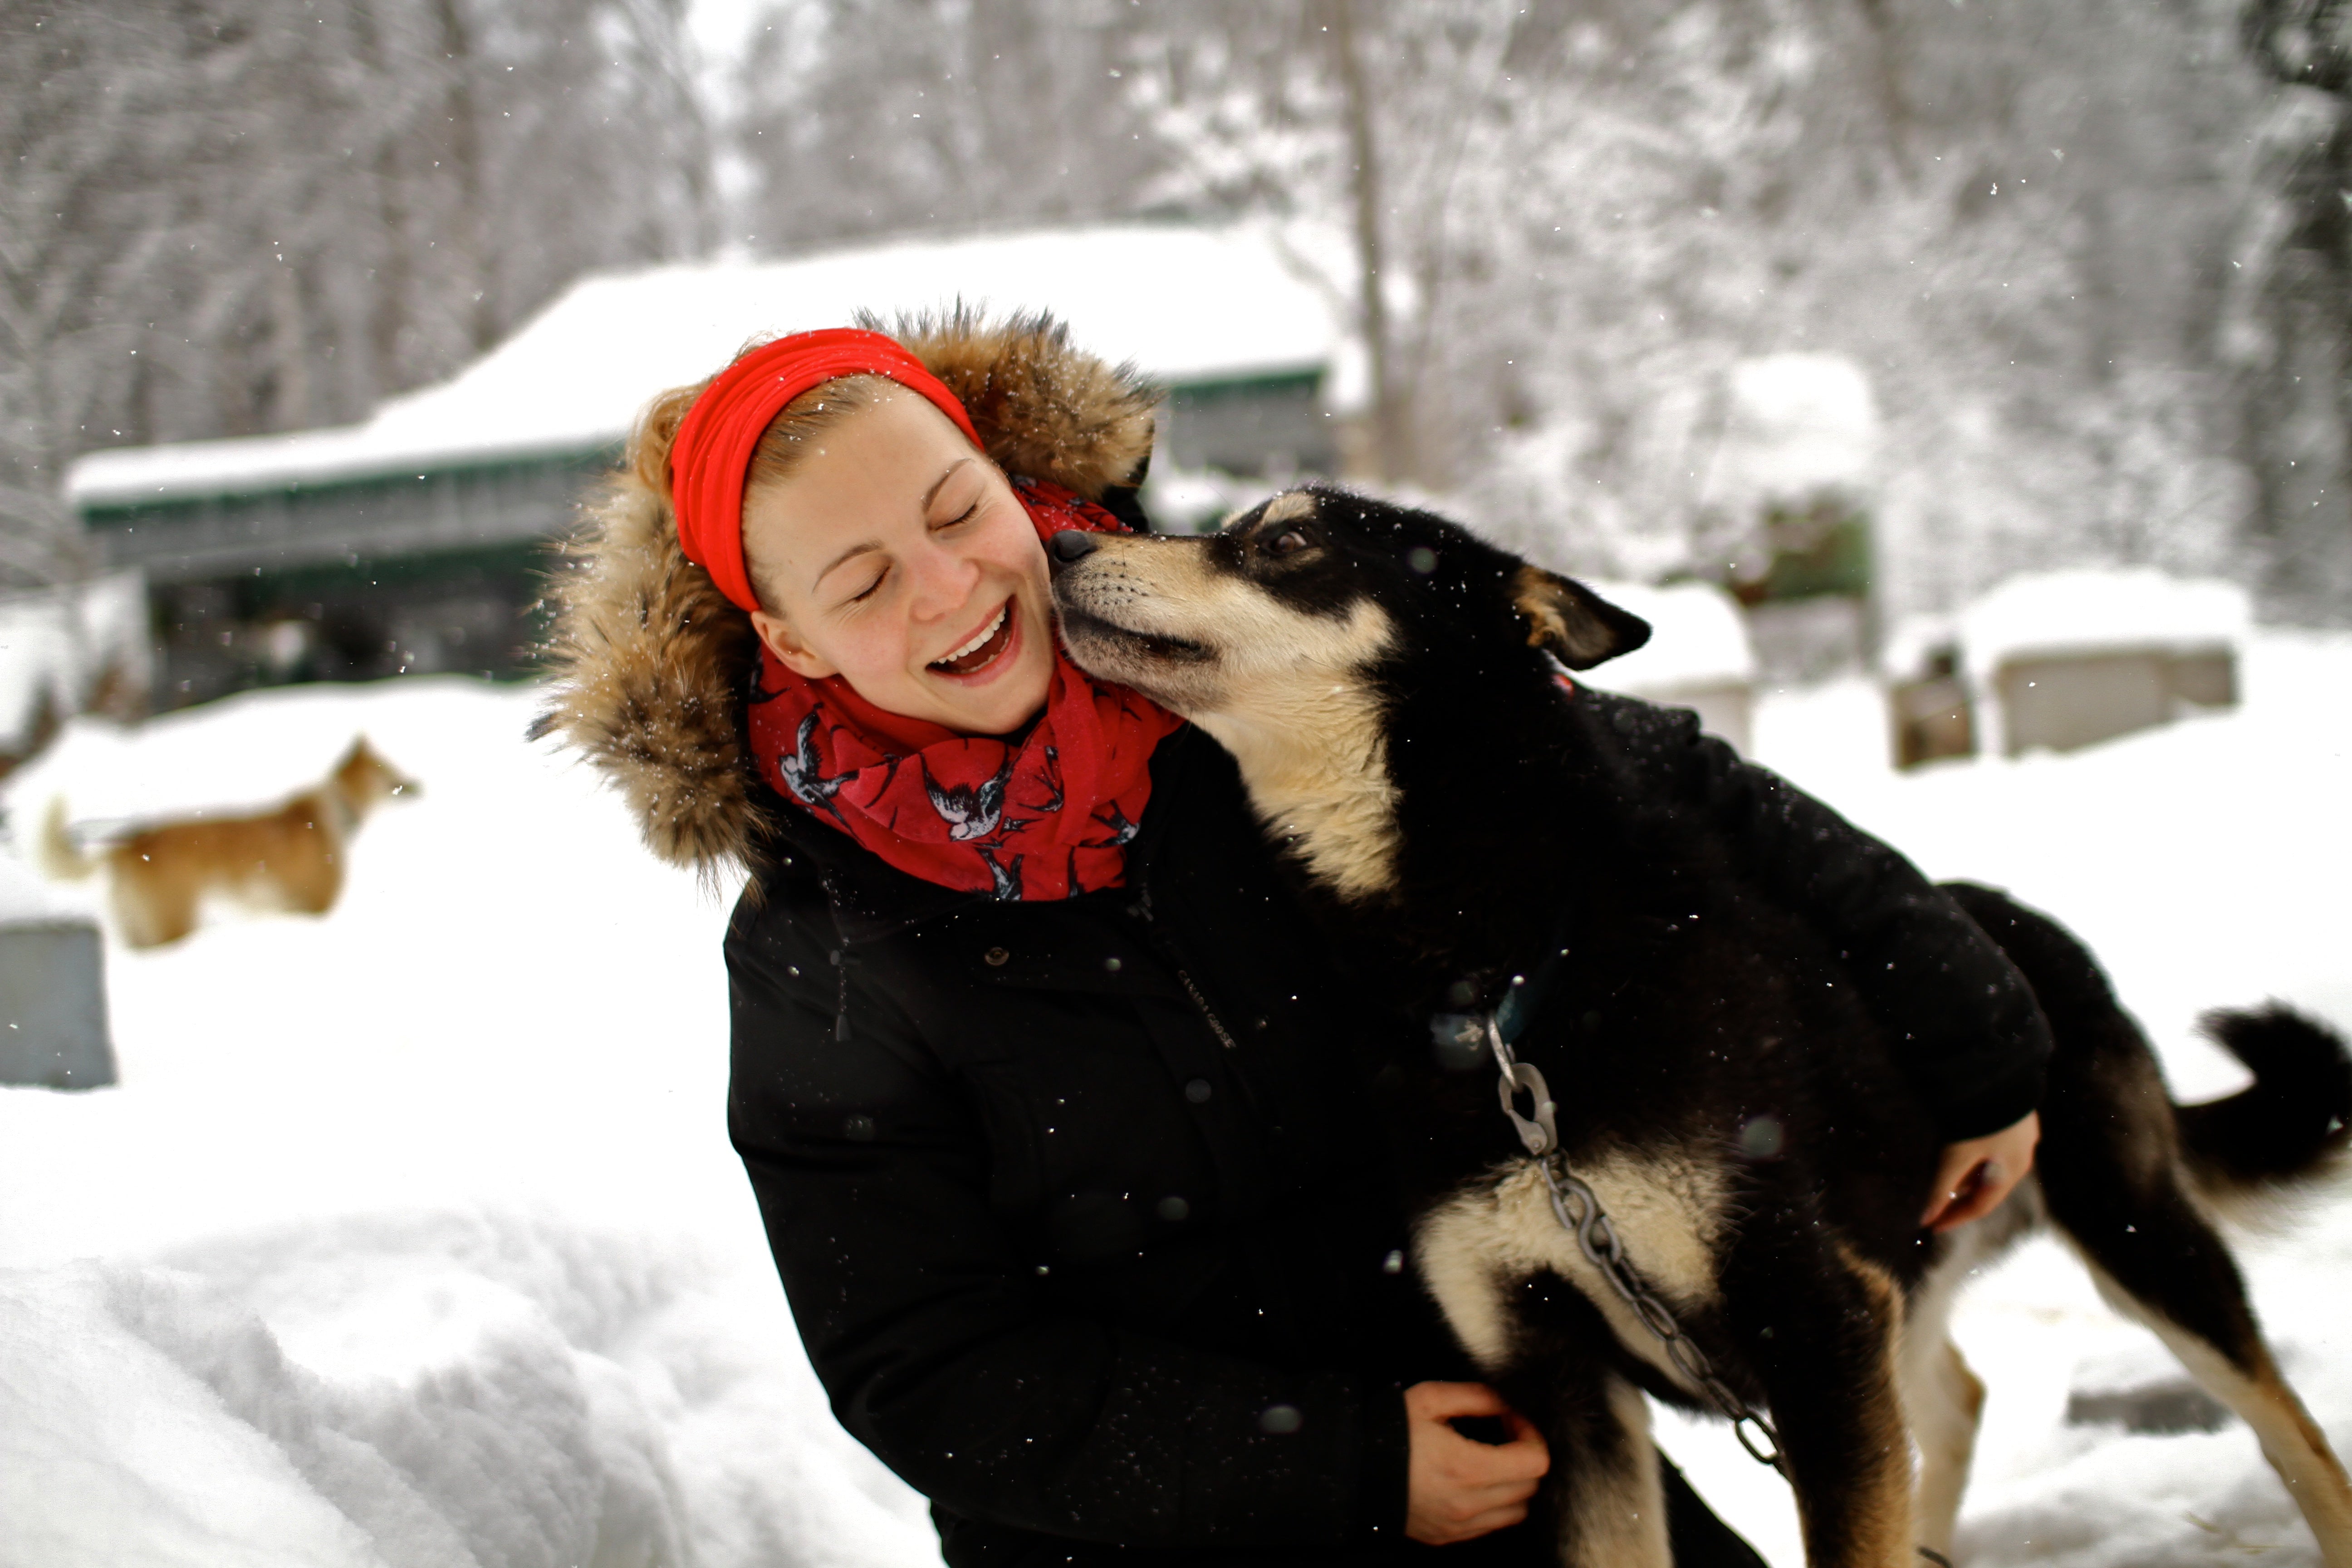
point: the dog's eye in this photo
(1290, 542)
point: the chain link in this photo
(1598, 1239)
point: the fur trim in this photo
(648, 663)
(1041, 407)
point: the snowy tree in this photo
(2294, 318)
(875, 117)
(2015, 219)
(239, 216)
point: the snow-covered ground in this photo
(411, 1236)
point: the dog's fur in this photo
(290, 859)
(1382, 678)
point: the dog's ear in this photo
(1578, 625)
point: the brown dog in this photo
(290, 859)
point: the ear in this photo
(1578, 625)
(778, 636)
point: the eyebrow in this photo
(863, 545)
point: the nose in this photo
(1072, 544)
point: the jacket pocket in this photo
(1016, 1176)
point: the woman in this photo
(1055, 1107)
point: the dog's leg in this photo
(1604, 1500)
(1495, 1261)
(2111, 1176)
(1942, 1398)
(151, 908)
(2165, 1266)
(1827, 1352)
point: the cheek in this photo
(1009, 545)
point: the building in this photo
(417, 541)
(2066, 660)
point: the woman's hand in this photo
(1457, 1488)
(1974, 1176)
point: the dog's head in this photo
(365, 779)
(1290, 634)
(1314, 588)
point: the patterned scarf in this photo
(1042, 814)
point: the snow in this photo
(26, 899)
(55, 645)
(414, 1228)
(1185, 303)
(411, 1235)
(2111, 610)
(1697, 639)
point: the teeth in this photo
(985, 632)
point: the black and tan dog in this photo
(1385, 682)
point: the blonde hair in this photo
(782, 446)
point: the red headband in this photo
(715, 441)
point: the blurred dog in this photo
(290, 859)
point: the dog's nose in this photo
(1071, 543)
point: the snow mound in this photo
(414, 1391)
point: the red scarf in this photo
(1045, 816)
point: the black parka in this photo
(1079, 1204)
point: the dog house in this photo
(53, 1032)
(1931, 713)
(2066, 660)
(1698, 656)
(417, 543)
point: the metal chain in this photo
(1598, 1239)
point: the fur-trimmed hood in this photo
(649, 663)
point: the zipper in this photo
(1216, 1025)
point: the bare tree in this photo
(2297, 430)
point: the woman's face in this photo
(900, 560)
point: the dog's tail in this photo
(2291, 1123)
(54, 853)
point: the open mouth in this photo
(984, 646)
(1151, 645)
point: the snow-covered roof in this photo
(2094, 610)
(1800, 423)
(1185, 303)
(1697, 639)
